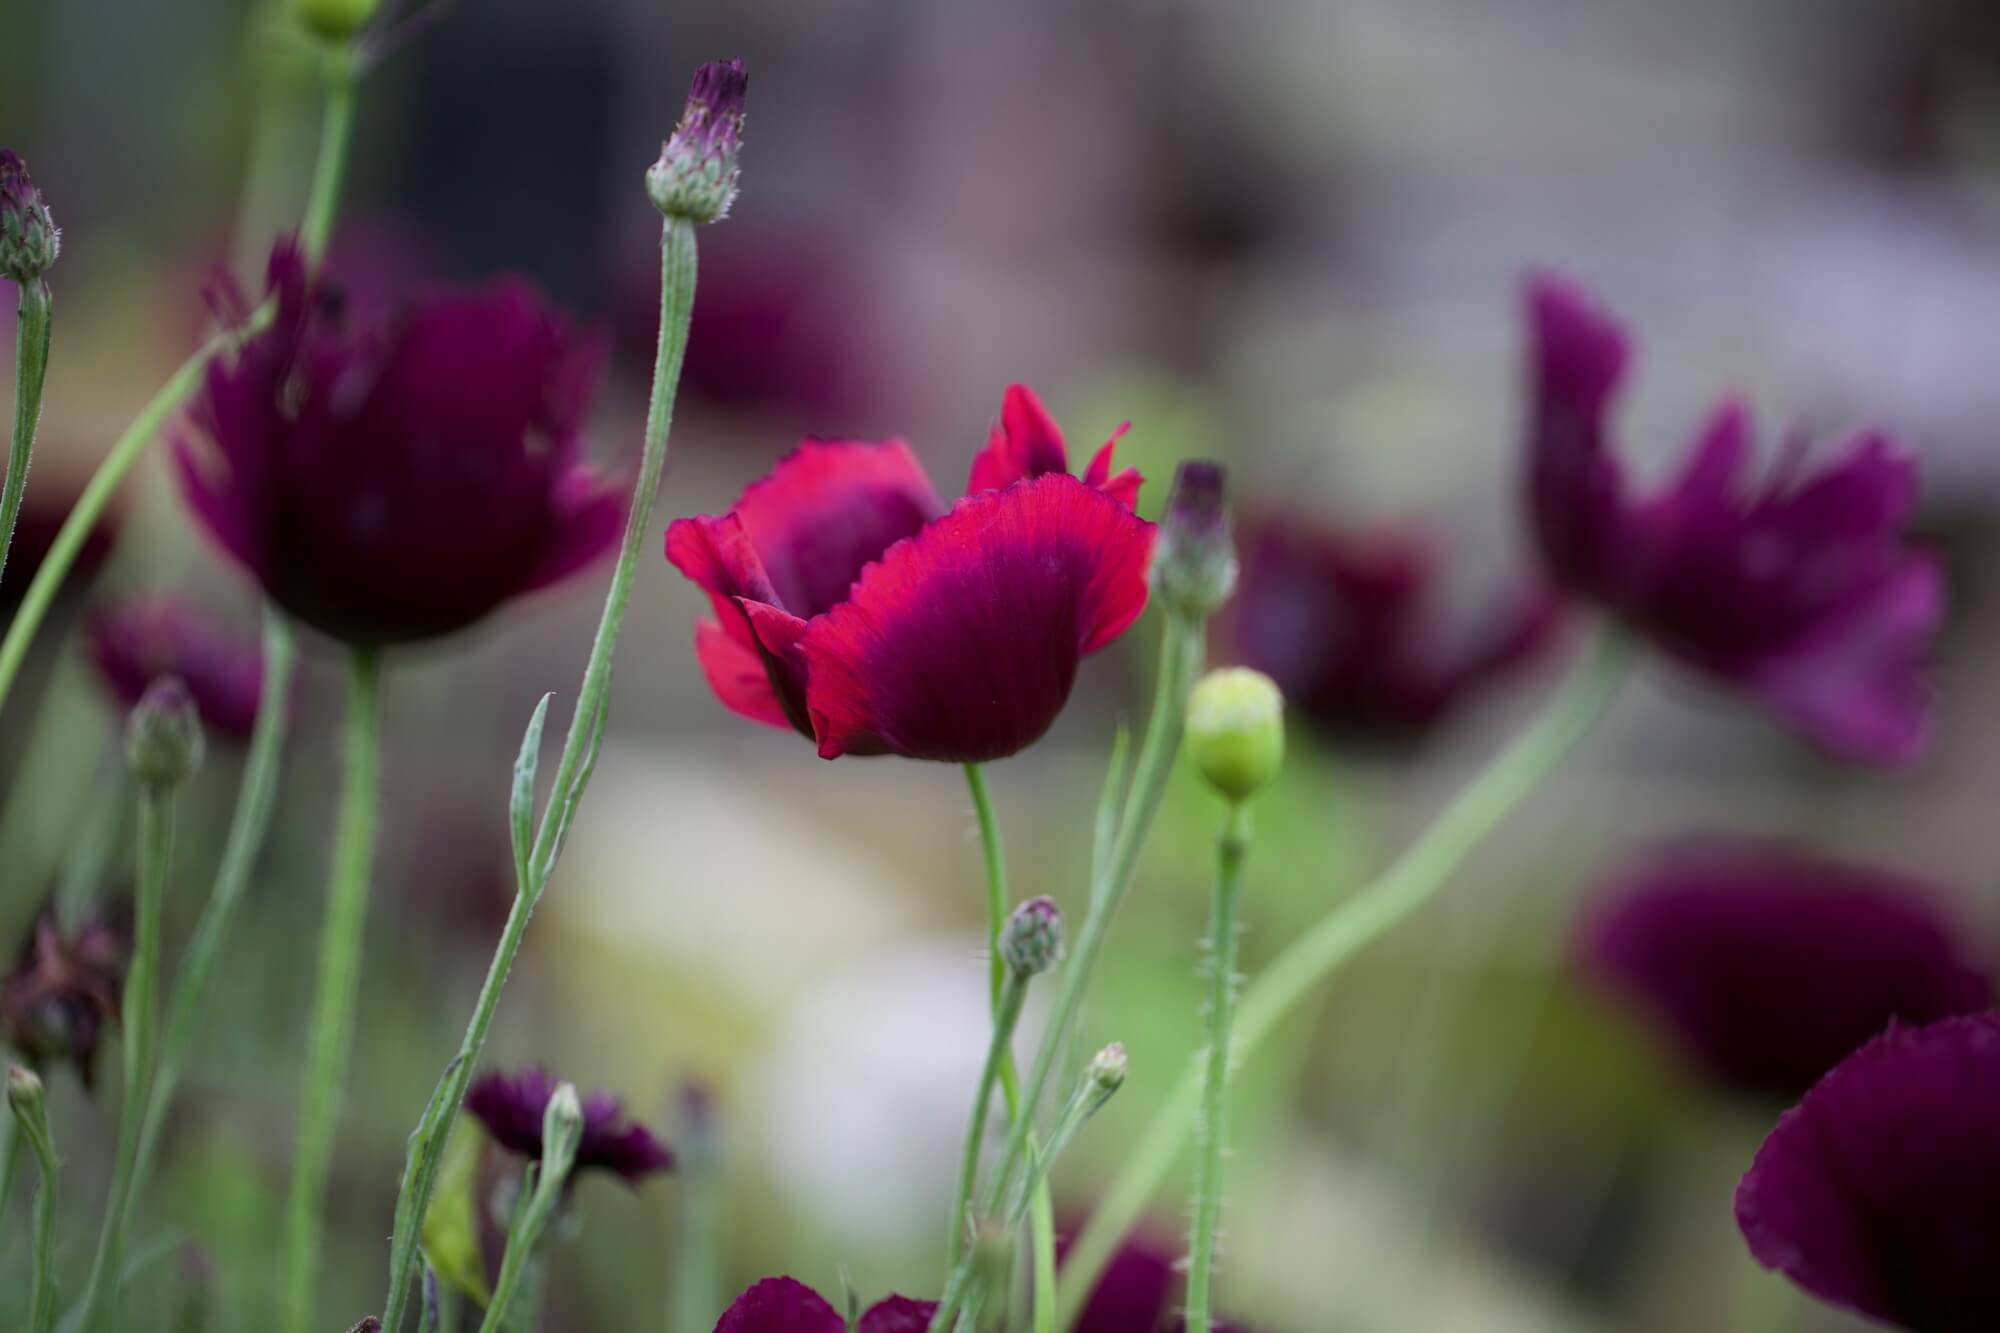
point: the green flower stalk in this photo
(24, 1096)
(542, 1191)
(29, 244)
(537, 847)
(163, 748)
(1236, 737)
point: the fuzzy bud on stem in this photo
(163, 738)
(1032, 940)
(24, 1091)
(29, 238)
(1194, 562)
(562, 1131)
(1236, 731)
(695, 177)
(1108, 1069)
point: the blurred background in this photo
(1288, 235)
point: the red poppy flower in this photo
(851, 607)
(1026, 442)
(786, 1305)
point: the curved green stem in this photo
(33, 1119)
(247, 827)
(336, 132)
(331, 1034)
(1213, 1117)
(140, 1016)
(677, 283)
(31, 368)
(1389, 899)
(1012, 992)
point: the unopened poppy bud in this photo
(562, 1130)
(1108, 1069)
(695, 177)
(24, 1090)
(335, 20)
(1236, 731)
(29, 239)
(1194, 562)
(163, 741)
(1032, 940)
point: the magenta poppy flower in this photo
(134, 644)
(785, 1305)
(391, 484)
(853, 608)
(1876, 1192)
(1026, 443)
(1797, 589)
(512, 1108)
(1768, 966)
(1141, 1289)
(1351, 629)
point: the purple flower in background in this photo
(1769, 966)
(1797, 590)
(1877, 1192)
(135, 643)
(44, 509)
(785, 1305)
(396, 483)
(64, 990)
(1140, 1290)
(1351, 630)
(511, 1108)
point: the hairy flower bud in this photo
(24, 1090)
(1194, 562)
(1032, 940)
(562, 1129)
(1236, 731)
(29, 239)
(163, 740)
(1108, 1068)
(335, 20)
(695, 177)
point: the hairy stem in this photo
(1213, 1117)
(31, 367)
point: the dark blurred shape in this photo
(134, 643)
(511, 1108)
(1798, 592)
(388, 485)
(1767, 966)
(64, 990)
(44, 509)
(784, 1305)
(1194, 565)
(1140, 1291)
(1876, 1193)
(1351, 628)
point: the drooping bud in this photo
(335, 20)
(1108, 1069)
(1032, 940)
(695, 177)
(1194, 561)
(163, 740)
(1236, 731)
(29, 238)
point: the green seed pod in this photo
(1236, 731)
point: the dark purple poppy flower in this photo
(1768, 966)
(1349, 628)
(852, 608)
(1876, 1193)
(1797, 590)
(512, 1110)
(396, 483)
(135, 643)
(64, 990)
(1140, 1290)
(785, 1305)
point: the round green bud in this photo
(1236, 731)
(1032, 940)
(163, 741)
(335, 20)
(24, 1087)
(1108, 1068)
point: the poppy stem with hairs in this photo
(322, 206)
(330, 1036)
(31, 367)
(427, 1142)
(1389, 899)
(1213, 1117)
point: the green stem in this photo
(11, 1148)
(140, 1016)
(331, 1034)
(31, 367)
(1013, 991)
(1386, 901)
(696, 1267)
(336, 132)
(677, 281)
(1180, 662)
(1214, 1115)
(996, 879)
(247, 827)
(321, 206)
(522, 1239)
(32, 1115)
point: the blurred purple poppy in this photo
(511, 1108)
(1349, 628)
(1798, 591)
(1139, 1291)
(1768, 966)
(1876, 1193)
(135, 643)
(64, 990)
(785, 1305)
(387, 485)
(45, 508)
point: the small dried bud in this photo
(163, 741)
(29, 239)
(1236, 731)
(369, 1325)
(335, 20)
(24, 1090)
(63, 992)
(1194, 562)
(695, 177)
(1032, 940)
(1108, 1069)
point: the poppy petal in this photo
(1024, 443)
(737, 675)
(780, 1305)
(898, 1314)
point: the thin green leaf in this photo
(451, 1227)
(521, 808)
